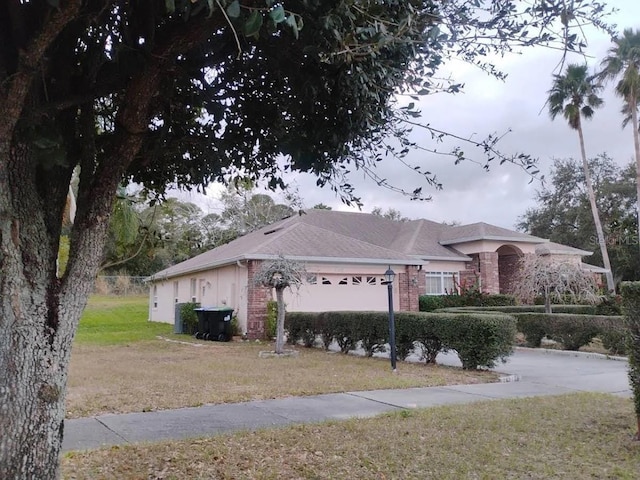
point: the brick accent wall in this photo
(257, 298)
(508, 271)
(489, 277)
(468, 278)
(409, 288)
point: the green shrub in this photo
(571, 330)
(301, 326)
(574, 331)
(409, 326)
(189, 317)
(271, 322)
(416, 332)
(573, 309)
(631, 308)
(615, 341)
(533, 326)
(429, 303)
(344, 330)
(372, 329)
(610, 305)
(479, 339)
(235, 326)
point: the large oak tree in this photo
(186, 92)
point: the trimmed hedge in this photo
(572, 331)
(631, 308)
(479, 339)
(429, 303)
(572, 309)
(574, 328)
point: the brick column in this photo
(409, 288)
(257, 298)
(489, 276)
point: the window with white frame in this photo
(193, 290)
(440, 283)
(175, 291)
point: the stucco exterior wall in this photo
(492, 245)
(225, 286)
(442, 266)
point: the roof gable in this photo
(484, 231)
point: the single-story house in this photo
(346, 255)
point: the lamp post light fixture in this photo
(389, 276)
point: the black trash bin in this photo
(214, 323)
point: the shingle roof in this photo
(484, 231)
(421, 238)
(352, 237)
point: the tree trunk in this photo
(633, 105)
(38, 315)
(547, 300)
(39, 312)
(611, 286)
(280, 320)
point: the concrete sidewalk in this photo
(538, 373)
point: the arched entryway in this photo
(508, 256)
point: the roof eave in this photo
(435, 258)
(229, 261)
(494, 238)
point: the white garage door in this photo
(326, 292)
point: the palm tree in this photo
(575, 95)
(623, 62)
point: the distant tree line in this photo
(563, 213)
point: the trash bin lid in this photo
(213, 309)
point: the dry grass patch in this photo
(156, 375)
(580, 436)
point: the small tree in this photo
(280, 273)
(631, 305)
(554, 279)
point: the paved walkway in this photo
(537, 372)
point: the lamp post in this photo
(389, 275)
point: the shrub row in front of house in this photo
(480, 340)
(429, 303)
(511, 309)
(573, 326)
(573, 331)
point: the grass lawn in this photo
(111, 320)
(579, 436)
(118, 365)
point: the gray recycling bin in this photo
(214, 323)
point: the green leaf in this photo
(170, 5)
(253, 24)
(277, 14)
(233, 10)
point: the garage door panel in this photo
(327, 292)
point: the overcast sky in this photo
(488, 105)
